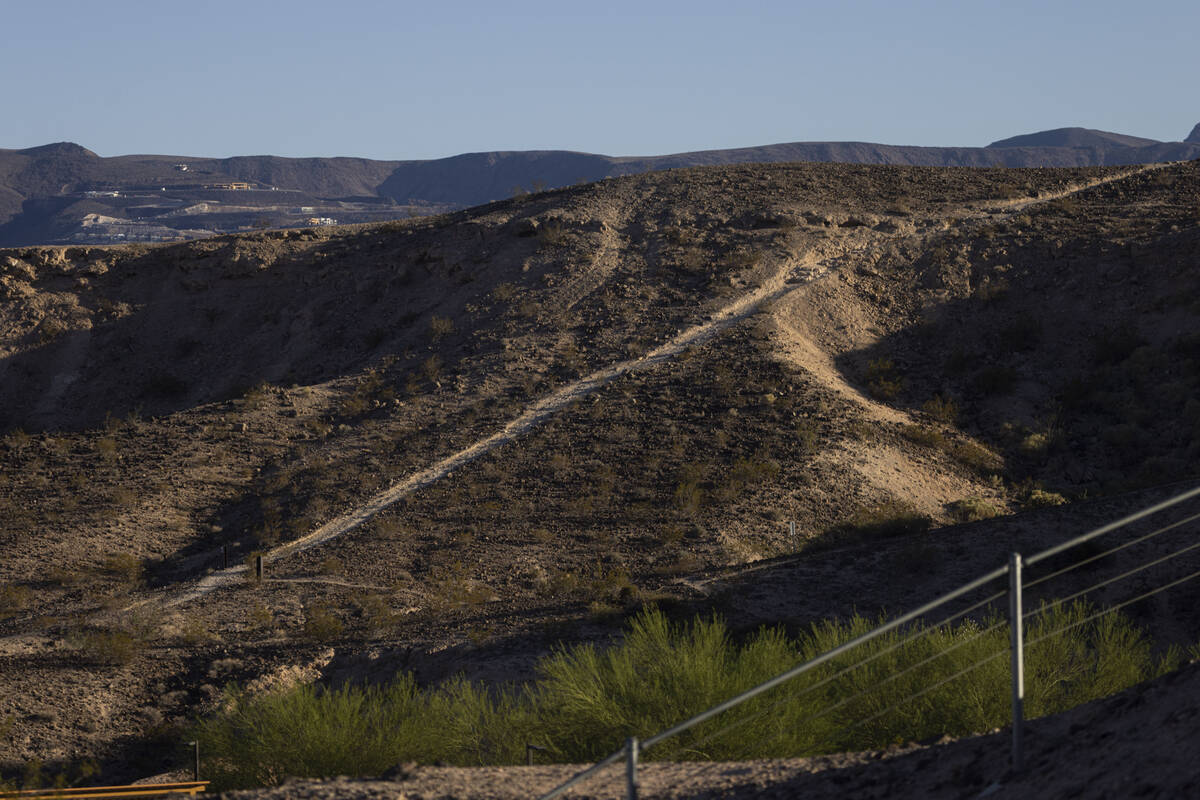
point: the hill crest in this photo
(1074, 137)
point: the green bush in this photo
(586, 700)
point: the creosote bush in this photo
(883, 382)
(587, 699)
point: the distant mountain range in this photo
(63, 193)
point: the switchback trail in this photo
(786, 278)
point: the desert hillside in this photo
(65, 194)
(460, 440)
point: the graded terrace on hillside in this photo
(783, 393)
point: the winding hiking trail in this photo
(787, 277)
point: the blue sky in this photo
(397, 80)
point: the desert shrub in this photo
(256, 396)
(942, 408)
(551, 234)
(883, 382)
(669, 536)
(261, 617)
(972, 509)
(432, 367)
(17, 439)
(369, 393)
(692, 260)
(123, 567)
(744, 258)
(14, 598)
(923, 434)
(688, 497)
(1040, 498)
(375, 612)
(913, 683)
(807, 435)
(882, 520)
(109, 646)
(321, 624)
(440, 327)
(977, 457)
(679, 236)
(193, 631)
(505, 293)
(106, 448)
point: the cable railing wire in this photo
(1112, 608)
(872, 657)
(928, 689)
(919, 612)
(1112, 526)
(846, 701)
(1109, 552)
(866, 692)
(1154, 562)
(833, 653)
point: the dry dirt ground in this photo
(461, 440)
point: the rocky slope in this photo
(574, 402)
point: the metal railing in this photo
(131, 790)
(1016, 620)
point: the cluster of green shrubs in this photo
(586, 700)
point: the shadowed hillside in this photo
(462, 439)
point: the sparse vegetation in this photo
(321, 624)
(972, 509)
(440, 327)
(1026, 350)
(587, 700)
(883, 380)
(881, 520)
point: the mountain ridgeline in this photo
(65, 194)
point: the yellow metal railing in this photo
(141, 790)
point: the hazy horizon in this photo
(407, 82)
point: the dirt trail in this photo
(604, 262)
(786, 278)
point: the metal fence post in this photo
(530, 749)
(631, 759)
(195, 760)
(1017, 644)
(258, 568)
